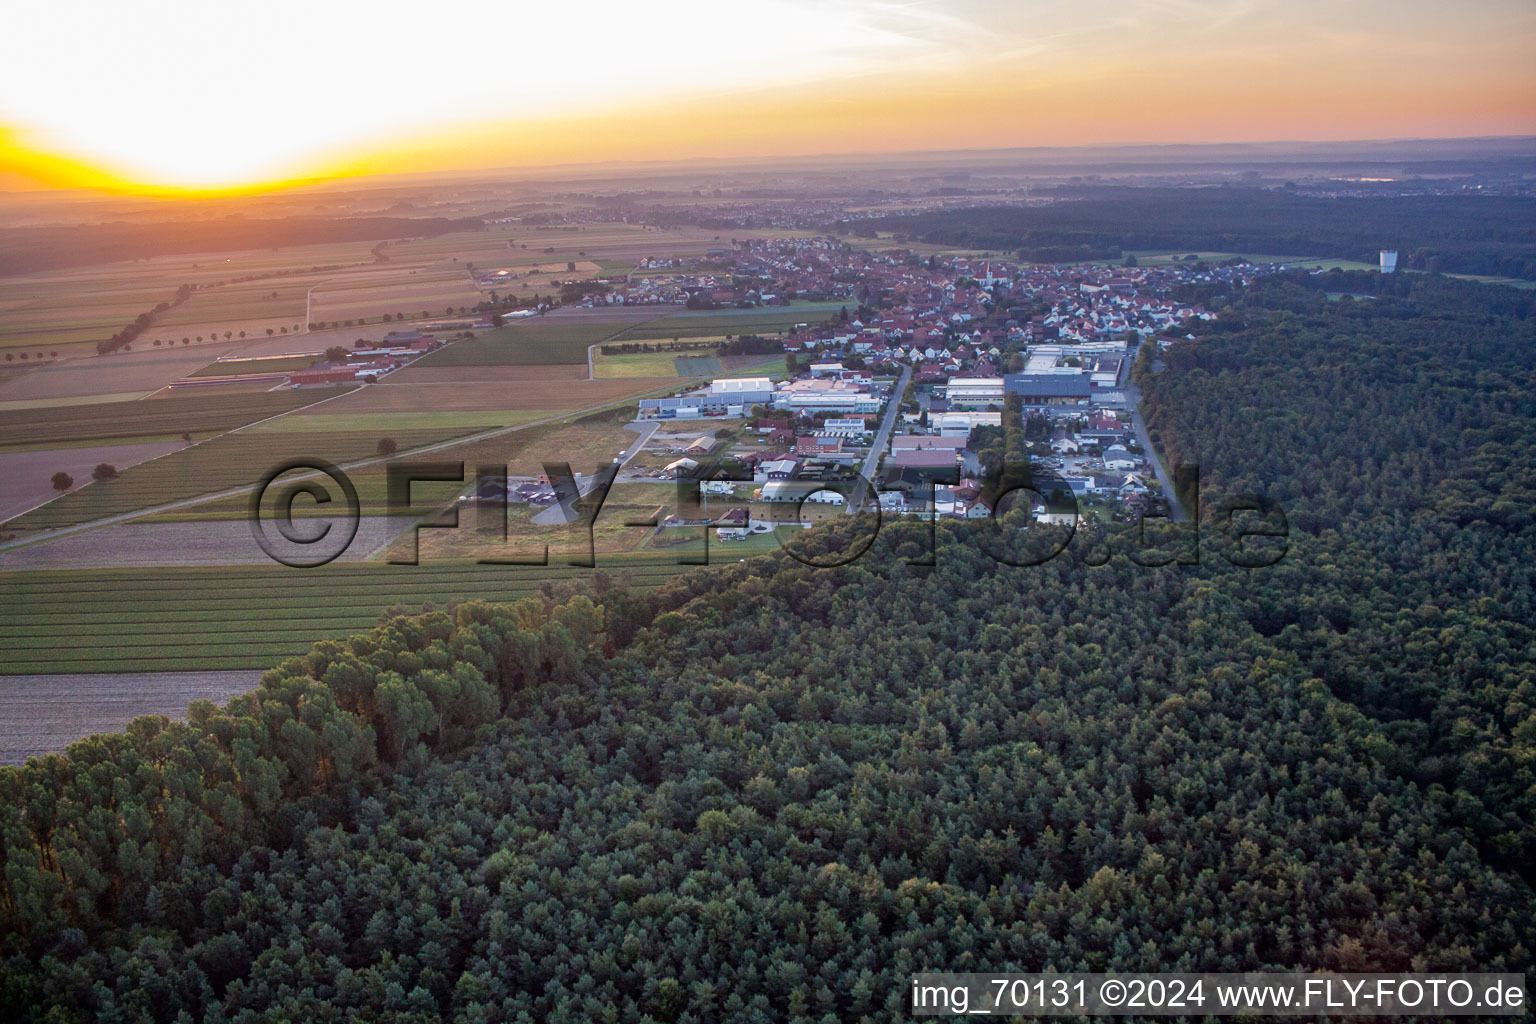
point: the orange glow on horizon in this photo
(26, 165)
(963, 75)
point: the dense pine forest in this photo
(774, 792)
(1465, 234)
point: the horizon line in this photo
(299, 185)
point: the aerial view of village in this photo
(608, 390)
(816, 511)
(779, 378)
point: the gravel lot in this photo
(42, 714)
(25, 476)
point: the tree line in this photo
(1450, 234)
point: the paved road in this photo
(1133, 402)
(882, 436)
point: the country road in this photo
(1176, 511)
(882, 437)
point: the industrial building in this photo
(825, 395)
(742, 390)
(1048, 388)
(974, 392)
(728, 396)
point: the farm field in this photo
(416, 373)
(70, 310)
(228, 618)
(754, 366)
(269, 364)
(586, 443)
(556, 244)
(174, 414)
(242, 308)
(25, 476)
(222, 463)
(43, 714)
(122, 373)
(697, 366)
(635, 364)
(372, 293)
(552, 396)
(537, 341)
(390, 423)
(227, 541)
(53, 403)
(682, 363)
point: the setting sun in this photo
(207, 96)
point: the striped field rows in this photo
(245, 617)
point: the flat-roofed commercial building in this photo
(825, 394)
(682, 407)
(729, 396)
(923, 458)
(974, 392)
(924, 442)
(1049, 388)
(742, 390)
(961, 423)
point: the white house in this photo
(1116, 456)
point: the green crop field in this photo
(534, 342)
(697, 366)
(635, 365)
(208, 618)
(276, 364)
(194, 413)
(223, 463)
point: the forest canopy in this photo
(1493, 235)
(775, 792)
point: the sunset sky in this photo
(192, 94)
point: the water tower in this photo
(1388, 260)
